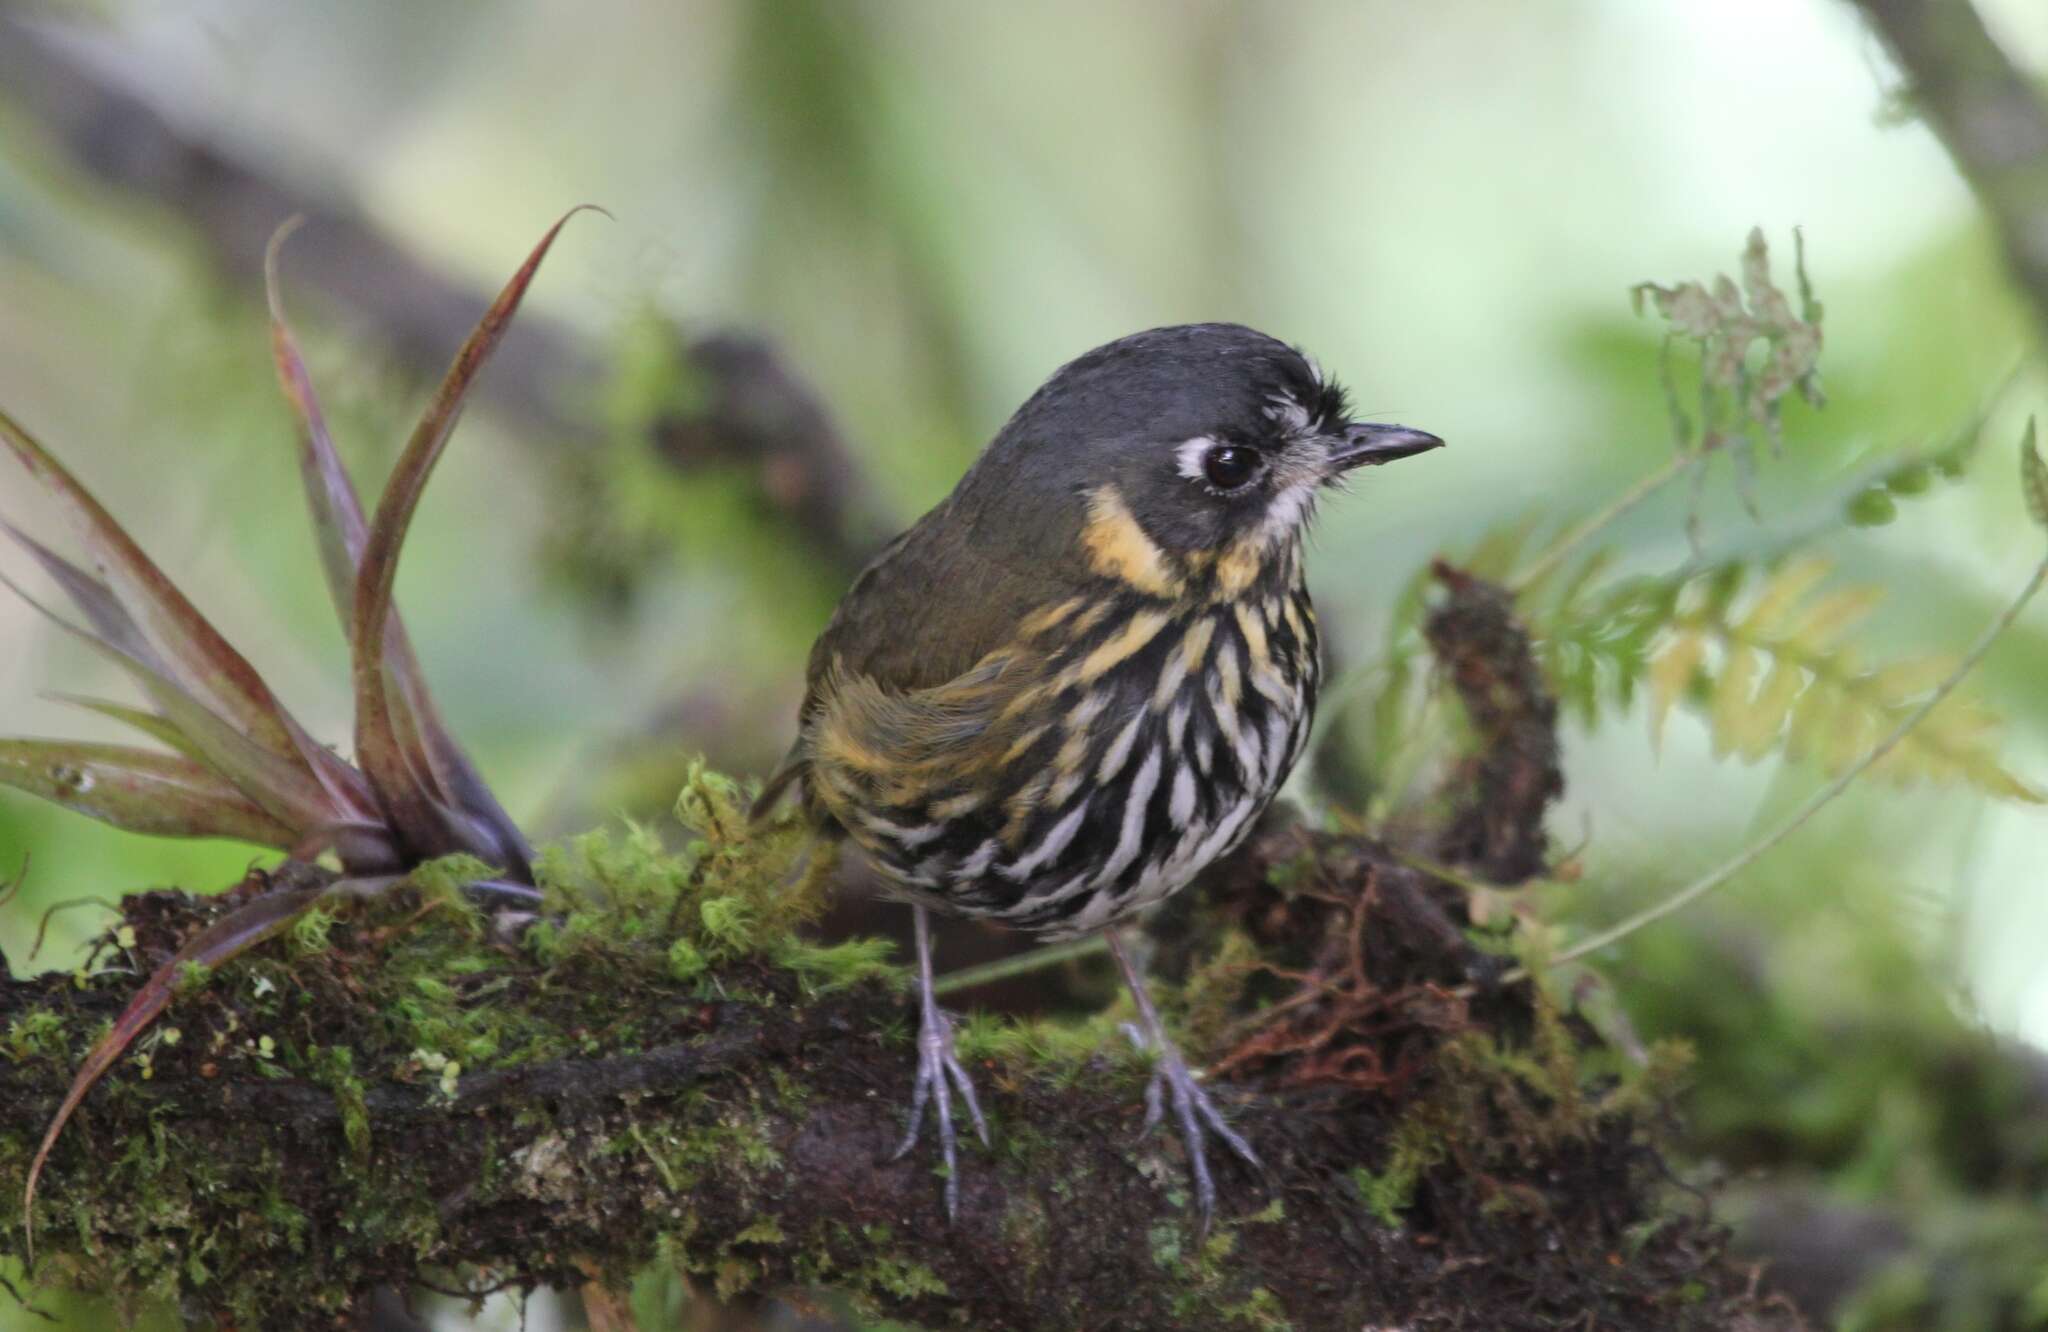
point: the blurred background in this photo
(863, 232)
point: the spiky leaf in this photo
(139, 790)
(194, 654)
(427, 749)
(429, 823)
(1754, 351)
(150, 724)
(285, 790)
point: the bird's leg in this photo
(935, 1064)
(1192, 1107)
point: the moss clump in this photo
(1213, 993)
(334, 1066)
(686, 961)
(1416, 1148)
(893, 1274)
(443, 880)
(736, 890)
(1492, 1103)
(1202, 1265)
(826, 969)
(38, 1034)
(1060, 1051)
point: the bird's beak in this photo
(1362, 444)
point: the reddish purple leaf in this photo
(425, 821)
(337, 512)
(166, 795)
(203, 660)
(229, 937)
(451, 787)
(282, 788)
(157, 728)
(193, 652)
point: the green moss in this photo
(446, 877)
(700, 1139)
(1287, 875)
(904, 1278)
(1417, 1146)
(1063, 1051)
(1491, 1101)
(764, 1231)
(712, 802)
(424, 997)
(730, 924)
(735, 891)
(334, 1067)
(434, 988)
(686, 961)
(1209, 1001)
(1165, 1241)
(824, 969)
(1260, 1309)
(641, 945)
(1202, 1265)
(37, 1034)
(731, 1276)
(310, 931)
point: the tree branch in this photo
(755, 410)
(301, 1140)
(1989, 116)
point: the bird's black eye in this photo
(1228, 466)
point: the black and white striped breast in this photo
(1154, 742)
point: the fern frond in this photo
(1596, 646)
(1753, 352)
(1766, 657)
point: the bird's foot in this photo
(936, 1065)
(1193, 1111)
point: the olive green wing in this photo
(898, 661)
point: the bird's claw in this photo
(936, 1065)
(1192, 1109)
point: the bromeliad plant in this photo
(235, 763)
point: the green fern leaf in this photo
(1670, 672)
(1767, 658)
(1732, 711)
(1767, 716)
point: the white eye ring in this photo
(1188, 456)
(1196, 458)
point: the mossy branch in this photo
(662, 1070)
(726, 398)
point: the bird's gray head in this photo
(1180, 446)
